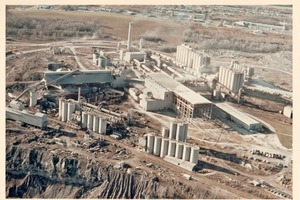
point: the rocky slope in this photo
(39, 173)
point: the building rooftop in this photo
(181, 90)
(80, 77)
(236, 113)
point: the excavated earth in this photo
(36, 172)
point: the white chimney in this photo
(129, 36)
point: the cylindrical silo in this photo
(90, 121)
(64, 111)
(172, 132)
(227, 72)
(32, 99)
(180, 132)
(165, 132)
(96, 123)
(60, 107)
(179, 150)
(71, 109)
(164, 147)
(157, 146)
(150, 143)
(186, 127)
(102, 125)
(186, 153)
(194, 155)
(84, 120)
(172, 148)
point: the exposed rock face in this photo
(38, 173)
(41, 174)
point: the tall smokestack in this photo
(129, 36)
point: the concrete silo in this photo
(157, 145)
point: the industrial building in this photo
(38, 119)
(164, 92)
(232, 79)
(225, 111)
(79, 77)
(192, 61)
(172, 146)
(100, 59)
(16, 105)
(129, 56)
(260, 26)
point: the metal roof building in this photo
(237, 116)
(79, 77)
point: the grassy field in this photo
(109, 23)
(60, 25)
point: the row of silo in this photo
(176, 131)
(233, 80)
(93, 122)
(66, 109)
(187, 56)
(164, 146)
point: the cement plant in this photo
(138, 102)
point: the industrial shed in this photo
(79, 77)
(226, 111)
(38, 119)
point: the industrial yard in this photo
(149, 102)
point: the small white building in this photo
(288, 111)
(129, 56)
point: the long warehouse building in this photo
(38, 119)
(79, 77)
(224, 110)
(169, 93)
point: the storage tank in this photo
(84, 120)
(186, 152)
(64, 111)
(102, 126)
(32, 99)
(164, 147)
(186, 128)
(179, 150)
(90, 121)
(172, 148)
(157, 146)
(172, 132)
(60, 107)
(180, 132)
(71, 109)
(150, 143)
(165, 132)
(96, 123)
(194, 155)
